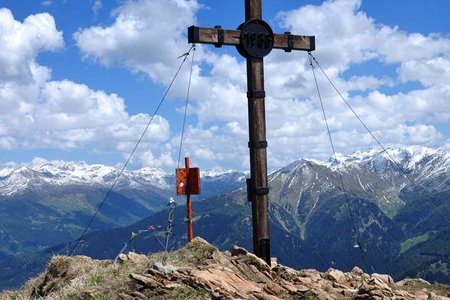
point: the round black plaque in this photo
(256, 39)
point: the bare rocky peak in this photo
(409, 158)
(200, 271)
(376, 175)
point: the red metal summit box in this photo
(189, 185)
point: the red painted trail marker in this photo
(188, 183)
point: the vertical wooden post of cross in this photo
(257, 144)
(254, 40)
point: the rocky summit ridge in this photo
(201, 271)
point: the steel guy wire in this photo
(396, 164)
(172, 203)
(185, 55)
(310, 56)
(186, 107)
(352, 218)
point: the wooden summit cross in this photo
(254, 39)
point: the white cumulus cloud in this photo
(144, 39)
(40, 113)
(403, 106)
(145, 36)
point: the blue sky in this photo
(79, 80)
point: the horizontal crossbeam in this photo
(203, 35)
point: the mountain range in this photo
(360, 209)
(46, 203)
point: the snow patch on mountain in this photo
(5, 172)
(408, 159)
(411, 160)
(40, 172)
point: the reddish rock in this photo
(201, 270)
